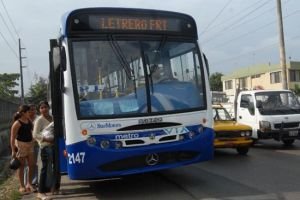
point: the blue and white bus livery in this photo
(129, 93)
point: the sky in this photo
(232, 33)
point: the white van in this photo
(271, 114)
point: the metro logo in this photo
(127, 136)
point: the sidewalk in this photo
(69, 189)
(60, 196)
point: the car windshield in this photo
(277, 102)
(221, 114)
(120, 77)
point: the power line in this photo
(253, 51)
(245, 34)
(207, 27)
(255, 30)
(251, 19)
(227, 20)
(7, 43)
(8, 16)
(14, 39)
(236, 21)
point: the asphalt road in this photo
(269, 172)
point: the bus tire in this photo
(288, 142)
(242, 150)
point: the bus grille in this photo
(140, 161)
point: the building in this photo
(265, 76)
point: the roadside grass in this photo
(9, 184)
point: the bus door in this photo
(56, 60)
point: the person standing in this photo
(46, 147)
(32, 116)
(21, 142)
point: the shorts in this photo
(24, 148)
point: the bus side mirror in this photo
(56, 57)
(63, 58)
(59, 58)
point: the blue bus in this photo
(129, 93)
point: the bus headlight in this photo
(191, 134)
(91, 141)
(104, 144)
(200, 129)
(118, 144)
(181, 137)
(243, 134)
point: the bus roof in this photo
(127, 20)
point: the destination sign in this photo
(90, 23)
(133, 23)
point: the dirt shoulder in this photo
(8, 182)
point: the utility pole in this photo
(21, 71)
(282, 46)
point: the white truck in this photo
(272, 114)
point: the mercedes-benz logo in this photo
(92, 126)
(152, 159)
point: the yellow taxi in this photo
(229, 133)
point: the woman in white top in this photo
(46, 146)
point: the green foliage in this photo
(296, 90)
(38, 91)
(216, 82)
(8, 84)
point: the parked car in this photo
(229, 133)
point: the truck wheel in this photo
(242, 150)
(288, 142)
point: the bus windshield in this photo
(118, 77)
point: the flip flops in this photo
(30, 188)
(41, 196)
(23, 191)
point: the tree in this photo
(216, 82)
(296, 90)
(38, 91)
(8, 84)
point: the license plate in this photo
(293, 133)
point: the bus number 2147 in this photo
(75, 158)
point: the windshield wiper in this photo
(120, 56)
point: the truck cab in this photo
(272, 114)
